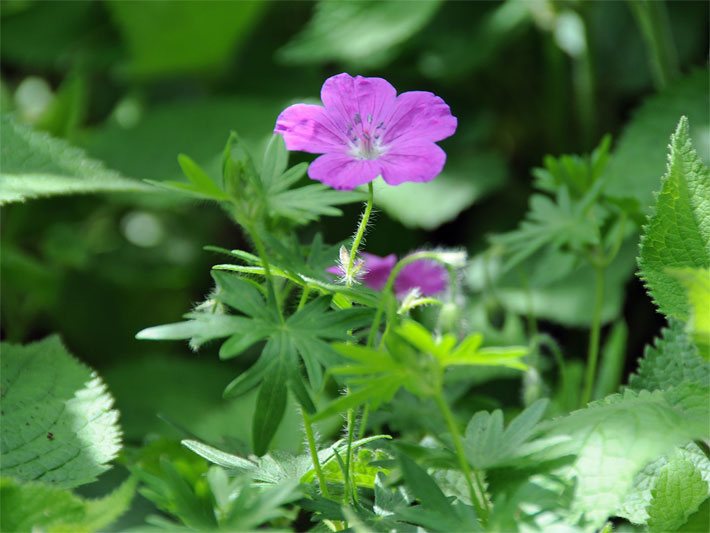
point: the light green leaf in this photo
(197, 38)
(58, 423)
(697, 284)
(635, 166)
(429, 205)
(673, 360)
(364, 33)
(613, 439)
(29, 507)
(36, 165)
(678, 231)
(689, 460)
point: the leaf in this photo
(34, 506)
(635, 166)
(275, 162)
(488, 445)
(690, 462)
(429, 205)
(613, 439)
(270, 404)
(310, 202)
(678, 232)
(697, 284)
(364, 33)
(218, 457)
(36, 165)
(613, 357)
(196, 40)
(58, 423)
(672, 361)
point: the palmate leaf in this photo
(35, 165)
(678, 232)
(34, 506)
(613, 439)
(58, 423)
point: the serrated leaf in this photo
(358, 33)
(697, 284)
(613, 439)
(672, 361)
(678, 231)
(58, 423)
(635, 506)
(34, 506)
(35, 165)
(635, 166)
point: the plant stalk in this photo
(308, 427)
(473, 482)
(359, 235)
(594, 334)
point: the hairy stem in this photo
(308, 427)
(349, 276)
(473, 482)
(594, 334)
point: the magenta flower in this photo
(429, 277)
(364, 130)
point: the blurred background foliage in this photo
(136, 83)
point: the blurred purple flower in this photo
(428, 276)
(365, 130)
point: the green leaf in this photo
(196, 40)
(429, 205)
(218, 457)
(271, 402)
(34, 506)
(613, 439)
(673, 360)
(689, 462)
(201, 328)
(487, 445)
(678, 231)
(310, 202)
(697, 284)
(365, 34)
(36, 165)
(275, 163)
(202, 184)
(58, 424)
(639, 155)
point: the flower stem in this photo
(261, 252)
(308, 427)
(594, 334)
(349, 275)
(475, 486)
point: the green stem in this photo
(261, 252)
(652, 18)
(308, 427)
(473, 482)
(594, 334)
(363, 421)
(349, 489)
(359, 234)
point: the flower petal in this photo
(358, 103)
(412, 161)
(341, 171)
(308, 128)
(420, 115)
(377, 269)
(428, 276)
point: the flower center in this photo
(366, 139)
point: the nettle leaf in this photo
(488, 445)
(678, 231)
(365, 33)
(672, 361)
(58, 423)
(633, 170)
(34, 506)
(613, 439)
(648, 503)
(35, 165)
